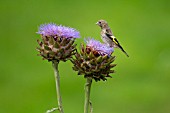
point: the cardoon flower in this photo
(57, 42)
(94, 60)
(57, 45)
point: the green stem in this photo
(87, 94)
(57, 80)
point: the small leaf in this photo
(99, 59)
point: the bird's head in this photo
(102, 23)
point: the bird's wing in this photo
(113, 38)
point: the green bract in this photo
(56, 49)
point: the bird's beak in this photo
(97, 23)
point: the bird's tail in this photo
(125, 53)
(123, 50)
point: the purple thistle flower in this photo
(47, 29)
(55, 30)
(67, 32)
(94, 60)
(102, 49)
(57, 42)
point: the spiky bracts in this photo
(57, 42)
(94, 60)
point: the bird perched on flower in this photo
(108, 37)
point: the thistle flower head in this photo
(61, 31)
(94, 60)
(95, 45)
(57, 42)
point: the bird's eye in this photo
(99, 22)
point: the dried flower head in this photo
(57, 42)
(94, 60)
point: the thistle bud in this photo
(57, 42)
(94, 60)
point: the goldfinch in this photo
(108, 37)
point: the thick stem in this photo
(57, 80)
(87, 94)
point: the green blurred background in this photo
(141, 83)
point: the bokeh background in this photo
(141, 83)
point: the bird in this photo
(108, 37)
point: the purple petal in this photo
(54, 30)
(99, 47)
